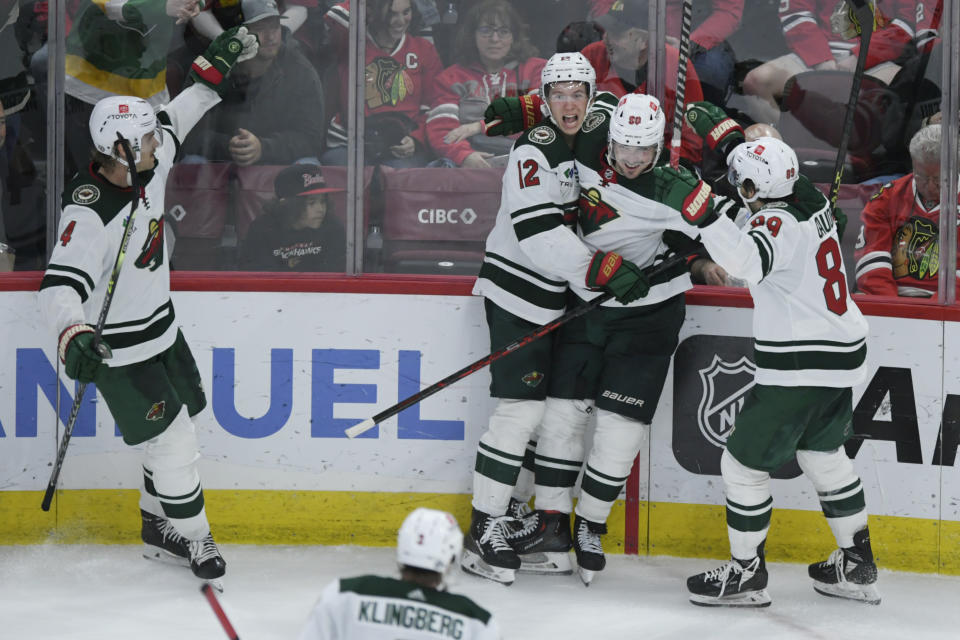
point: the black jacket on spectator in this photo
(283, 108)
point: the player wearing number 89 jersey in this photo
(810, 349)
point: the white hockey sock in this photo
(616, 442)
(560, 451)
(172, 457)
(839, 490)
(749, 506)
(500, 453)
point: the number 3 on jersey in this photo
(830, 269)
(527, 173)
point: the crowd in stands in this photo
(430, 70)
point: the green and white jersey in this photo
(807, 329)
(141, 320)
(531, 253)
(621, 214)
(381, 608)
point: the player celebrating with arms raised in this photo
(150, 383)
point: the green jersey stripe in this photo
(561, 284)
(524, 289)
(165, 307)
(766, 252)
(63, 281)
(533, 226)
(125, 339)
(798, 360)
(68, 269)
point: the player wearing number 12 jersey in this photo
(810, 349)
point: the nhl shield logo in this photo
(725, 386)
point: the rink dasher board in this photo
(286, 372)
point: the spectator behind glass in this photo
(620, 61)
(400, 70)
(712, 55)
(898, 250)
(298, 232)
(816, 45)
(494, 58)
(115, 48)
(272, 109)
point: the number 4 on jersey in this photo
(67, 233)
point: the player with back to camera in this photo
(151, 383)
(414, 606)
(810, 349)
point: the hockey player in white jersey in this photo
(531, 255)
(810, 349)
(616, 358)
(150, 383)
(416, 606)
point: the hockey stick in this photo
(863, 13)
(98, 346)
(542, 330)
(207, 590)
(680, 103)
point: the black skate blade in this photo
(157, 554)
(749, 599)
(551, 563)
(865, 593)
(474, 565)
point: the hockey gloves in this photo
(681, 190)
(232, 46)
(622, 278)
(711, 123)
(76, 351)
(506, 116)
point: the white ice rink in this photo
(96, 592)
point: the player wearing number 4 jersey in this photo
(151, 383)
(810, 348)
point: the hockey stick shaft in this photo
(97, 330)
(678, 107)
(864, 15)
(520, 342)
(219, 612)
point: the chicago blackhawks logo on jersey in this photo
(594, 212)
(916, 250)
(151, 254)
(387, 83)
(725, 386)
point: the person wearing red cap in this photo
(297, 232)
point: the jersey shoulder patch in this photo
(546, 141)
(104, 200)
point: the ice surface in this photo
(98, 592)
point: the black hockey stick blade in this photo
(542, 330)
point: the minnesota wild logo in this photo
(594, 212)
(532, 379)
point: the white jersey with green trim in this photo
(532, 251)
(807, 329)
(141, 320)
(382, 608)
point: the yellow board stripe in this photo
(109, 516)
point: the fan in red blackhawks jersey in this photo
(810, 348)
(627, 206)
(150, 383)
(898, 249)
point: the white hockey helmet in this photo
(429, 539)
(128, 116)
(571, 66)
(770, 164)
(638, 121)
